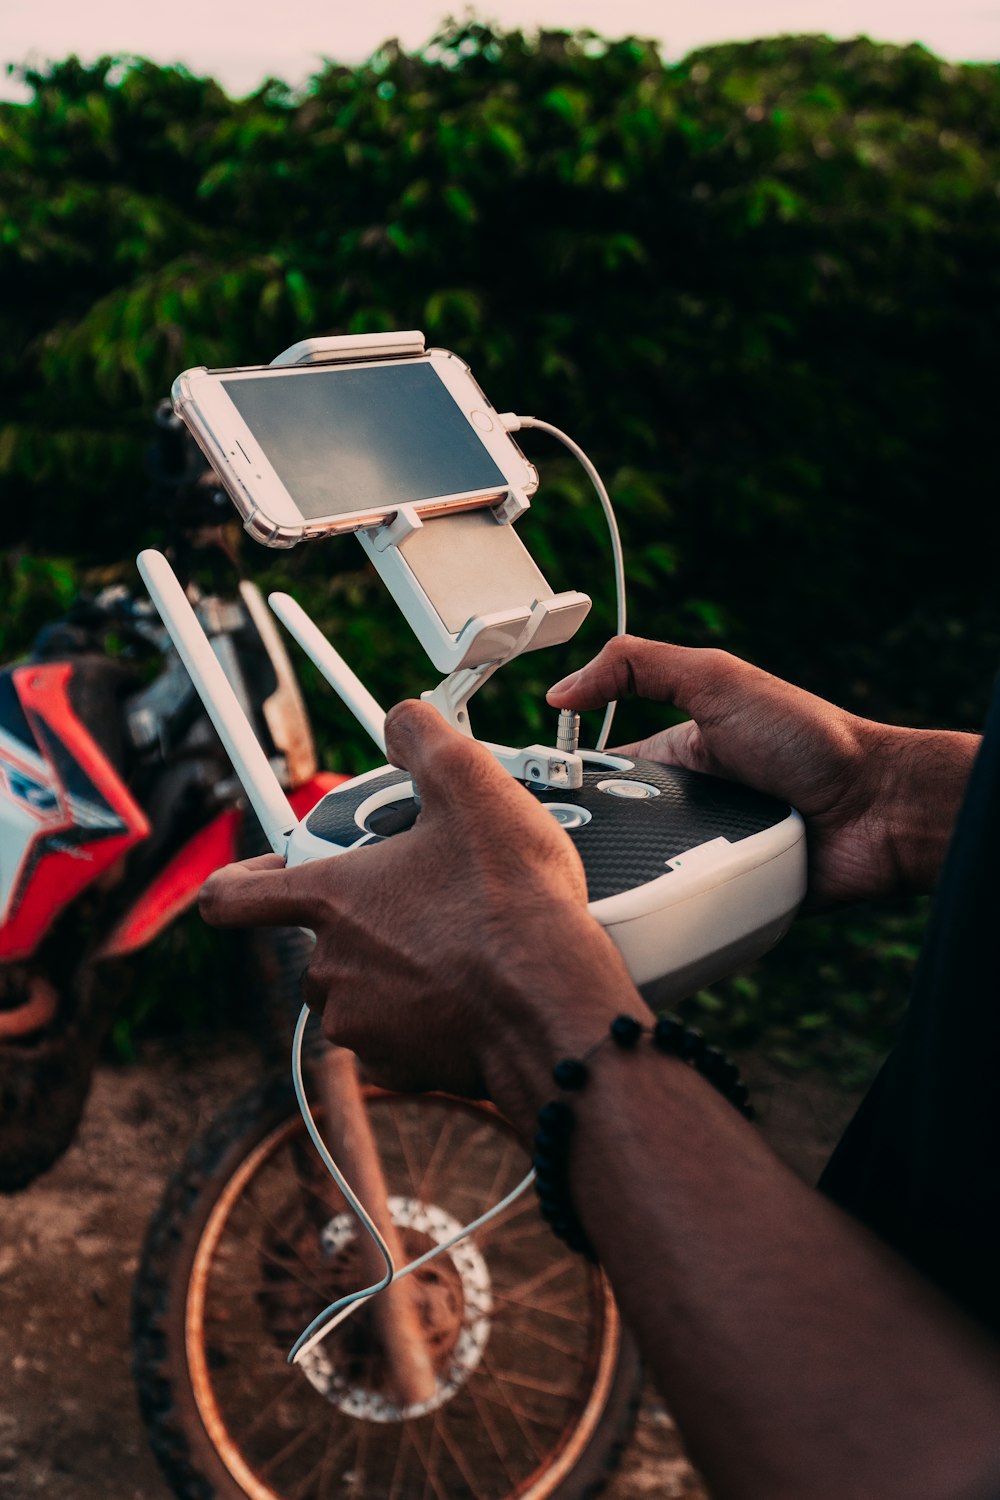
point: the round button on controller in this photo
(568, 814)
(637, 790)
(392, 817)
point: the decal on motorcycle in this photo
(176, 887)
(13, 720)
(39, 797)
(90, 818)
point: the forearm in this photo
(920, 782)
(798, 1357)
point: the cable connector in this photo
(568, 733)
(510, 421)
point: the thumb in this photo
(439, 758)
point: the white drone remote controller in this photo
(691, 876)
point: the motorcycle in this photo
(499, 1370)
(116, 804)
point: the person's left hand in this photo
(436, 947)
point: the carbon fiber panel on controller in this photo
(333, 818)
(627, 842)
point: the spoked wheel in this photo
(535, 1384)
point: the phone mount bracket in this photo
(427, 563)
(539, 765)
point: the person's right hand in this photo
(879, 801)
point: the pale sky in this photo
(242, 41)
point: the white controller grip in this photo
(691, 877)
(303, 847)
(682, 921)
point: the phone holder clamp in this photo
(338, 348)
(418, 560)
(539, 765)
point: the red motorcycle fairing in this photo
(176, 887)
(66, 816)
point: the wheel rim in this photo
(518, 1401)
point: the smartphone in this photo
(309, 450)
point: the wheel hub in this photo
(453, 1300)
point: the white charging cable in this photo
(331, 1316)
(344, 1306)
(513, 423)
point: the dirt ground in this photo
(69, 1247)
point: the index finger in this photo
(630, 666)
(259, 894)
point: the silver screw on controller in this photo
(568, 733)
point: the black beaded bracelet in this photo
(556, 1119)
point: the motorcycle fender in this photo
(56, 851)
(175, 889)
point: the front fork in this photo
(348, 1135)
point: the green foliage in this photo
(35, 590)
(760, 286)
(190, 978)
(830, 995)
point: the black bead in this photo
(551, 1164)
(667, 1033)
(625, 1031)
(547, 1169)
(692, 1047)
(579, 1242)
(718, 1070)
(556, 1116)
(571, 1073)
(552, 1141)
(728, 1076)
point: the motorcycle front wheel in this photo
(536, 1382)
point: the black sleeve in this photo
(920, 1162)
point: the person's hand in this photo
(878, 801)
(446, 951)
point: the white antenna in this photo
(234, 729)
(332, 665)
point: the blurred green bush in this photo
(760, 286)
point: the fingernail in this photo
(566, 683)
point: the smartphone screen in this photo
(366, 439)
